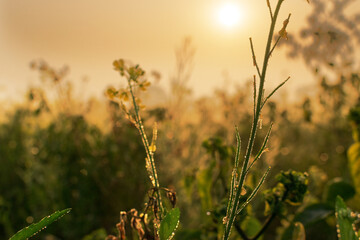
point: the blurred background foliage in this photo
(58, 152)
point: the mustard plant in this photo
(164, 222)
(346, 221)
(134, 76)
(237, 181)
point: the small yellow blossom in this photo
(144, 85)
(124, 96)
(111, 92)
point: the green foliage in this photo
(34, 228)
(353, 152)
(291, 189)
(319, 215)
(295, 231)
(338, 187)
(314, 213)
(169, 224)
(83, 157)
(251, 226)
(345, 221)
(54, 157)
(205, 185)
(99, 234)
(354, 164)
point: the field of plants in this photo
(243, 165)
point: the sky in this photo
(87, 35)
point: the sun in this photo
(229, 15)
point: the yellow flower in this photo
(124, 96)
(144, 85)
(119, 65)
(111, 92)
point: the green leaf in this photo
(251, 226)
(169, 224)
(338, 186)
(344, 221)
(354, 164)
(205, 184)
(314, 213)
(34, 228)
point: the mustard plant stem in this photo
(149, 154)
(233, 212)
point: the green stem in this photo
(241, 232)
(270, 218)
(149, 154)
(231, 217)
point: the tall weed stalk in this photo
(134, 76)
(237, 181)
(164, 222)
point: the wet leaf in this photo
(344, 221)
(169, 224)
(34, 228)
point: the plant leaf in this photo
(344, 221)
(34, 228)
(251, 226)
(353, 155)
(338, 186)
(169, 224)
(314, 213)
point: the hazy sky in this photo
(87, 35)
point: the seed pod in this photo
(172, 197)
(155, 208)
(136, 225)
(111, 237)
(121, 225)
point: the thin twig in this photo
(279, 86)
(254, 94)
(277, 41)
(254, 192)
(254, 57)
(262, 149)
(234, 173)
(241, 232)
(269, 219)
(270, 11)
(278, 38)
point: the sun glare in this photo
(229, 15)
